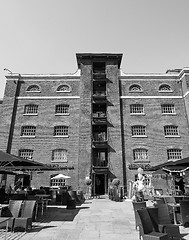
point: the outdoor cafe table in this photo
(2, 220)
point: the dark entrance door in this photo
(99, 184)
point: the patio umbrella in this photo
(60, 176)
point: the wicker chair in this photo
(184, 211)
(25, 220)
(165, 224)
(146, 227)
(13, 211)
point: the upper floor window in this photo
(138, 130)
(31, 109)
(170, 130)
(168, 108)
(28, 131)
(136, 108)
(61, 131)
(63, 88)
(59, 155)
(26, 153)
(62, 109)
(33, 88)
(165, 88)
(135, 88)
(140, 154)
(174, 154)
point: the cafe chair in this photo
(184, 212)
(165, 224)
(13, 212)
(25, 220)
(146, 227)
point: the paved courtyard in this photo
(96, 219)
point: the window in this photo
(136, 108)
(28, 131)
(60, 131)
(30, 109)
(26, 153)
(174, 154)
(170, 130)
(62, 109)
(33, 88)
(140, 154)
(165, 88)
(135, 88)
(168, 108)
(138, 130)
(59, 155)
(63, 88)
(57, 182)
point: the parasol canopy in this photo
(60, 176)
(11, 162)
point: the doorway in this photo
(99, 184)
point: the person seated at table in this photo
(41, 190)
(22, 191)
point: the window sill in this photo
(30, 114)
(61, 136)
(139, 136)
(169, 114)
(28, 136)
(59, 161)
(137, 114)
(62, 114)
(172, 136)
(141, 161)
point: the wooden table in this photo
(44, 198)
(2, 220)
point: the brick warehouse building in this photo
(99, 122)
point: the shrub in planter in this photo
(88, 181)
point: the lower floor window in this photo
(140, 154)
(57, 182)
(174, 154)
(59, 155)
(26, 153)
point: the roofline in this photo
(80, 56)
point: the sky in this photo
(43, 36)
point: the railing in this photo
(99, 93)
(99, 75)
(100, 137)
(98, 162)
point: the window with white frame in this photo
(26, 153)
(28, 131)
(62, 109)
(171, 130)
(59, 155)
(165, 88)
(168, 108)
(140, 154)
(174, 154)
(138, 130)
(61, 131)
(30, 109)
(63, 88)
(57, 182)
(135, 88)
(33, 88)
(136, 108)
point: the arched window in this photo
(135, 88)
(28, 131)
(64, 88)
(61, 131)
(170, 130)
(174, 154)
(33, 88)
(138, 130)
(165, 88)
